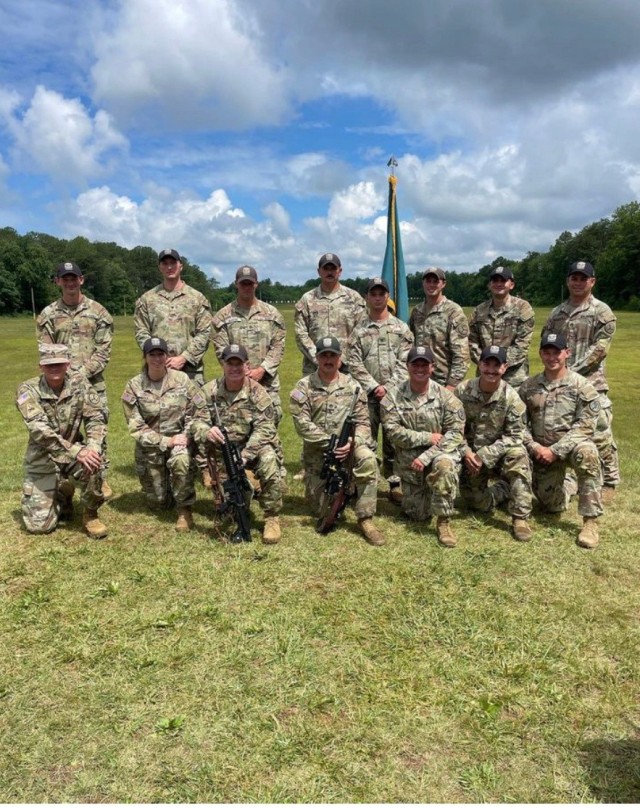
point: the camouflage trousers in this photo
(554, 491)
(267, 469)
(607, 447)
(388, 452)
(432, 491)
(42, 499)
(102, 395)
(166, 477)
(513, 470)
(365, 478)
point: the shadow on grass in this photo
(613, 769)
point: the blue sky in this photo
(240, 131)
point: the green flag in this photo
(393, 267)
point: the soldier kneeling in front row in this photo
(56, 407)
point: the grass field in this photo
(165, 667)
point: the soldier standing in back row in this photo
(588, 325)
(378, 349)
(328, 310)
(440, 324)
(57, 408)
(259, 328)
(178, 314)
(562, 411)
(86, 328)
(506, 321)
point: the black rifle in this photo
(236, 489)
(338, 489)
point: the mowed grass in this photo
(164, 667)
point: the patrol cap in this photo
(494, 352)
(168, 254)
(439, 273)
(53, 354)
(581, 266)
(328, 345)
(68, 268)
(501, 272)
(235, 351)
(377, 282)
(420, 352)
(245, 273)
(329, 258)
(553, 341)
(155, 344)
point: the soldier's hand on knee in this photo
(472, 463)
(178, 440)
(417, 465)
(90, 460)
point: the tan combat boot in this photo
(446, 536)
(521, 529)
(370, 532)
(299, 475)
(92, 525)
(207, 479)
(589, 535)
(107, 491)
(271, 533)
(184, 522)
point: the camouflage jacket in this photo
(588, 329)
(182, 318)
(56, 422)
(155, 415)
(510, 327)
(86, 329)
(378, 352)
(411, 419)
(246, 414)
(319, 410)
(260, 330)
(560, 414)
(318, 315)
(445, 330)
(494, 423)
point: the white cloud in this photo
(187, 65)
(57, 136)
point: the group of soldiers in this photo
(500, 437)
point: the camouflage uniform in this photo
(319, 411)
(320, 314)
(494, 430)
(248, 416)
(182, 318)
(510, 327)
(55, 423)
(377, 355)
(410, 420)
(87, 330)
(445, 330)
(588, 329)
(261, 331)
(562, 416)
(154, 413)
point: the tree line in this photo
(117, 276)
